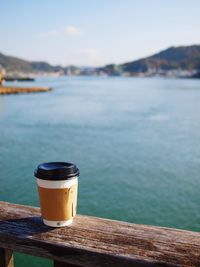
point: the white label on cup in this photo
(57, 184)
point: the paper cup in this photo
(57, 186)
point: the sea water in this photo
(135, 140)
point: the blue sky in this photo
(88, 32)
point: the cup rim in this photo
(55, 171)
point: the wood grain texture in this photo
(6, 258)
(64, 264)
(91, 241)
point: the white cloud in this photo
(67, 31)
(91, 56)
(82, 57)
(72, 30)
(54, 33)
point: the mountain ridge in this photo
(181, 57)
(12, 63)
(172, 59)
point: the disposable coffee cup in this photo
(57, 186)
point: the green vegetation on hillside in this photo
(10, 63)
(183, 57)
(182, 60)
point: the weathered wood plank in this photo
(97, 242)
(64, 264)
(6, 258)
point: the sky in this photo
(93, 33)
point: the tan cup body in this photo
(58, 201)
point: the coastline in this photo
(7, 90)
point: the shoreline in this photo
(7, 90)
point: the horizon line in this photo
(96, 66)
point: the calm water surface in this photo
(136, 142)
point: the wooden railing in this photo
(94, 242)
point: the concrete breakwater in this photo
(19, 90)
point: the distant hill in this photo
(182, 57)
(182, 61)
(10, 63)
(14, 64)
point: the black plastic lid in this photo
(56, 171)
